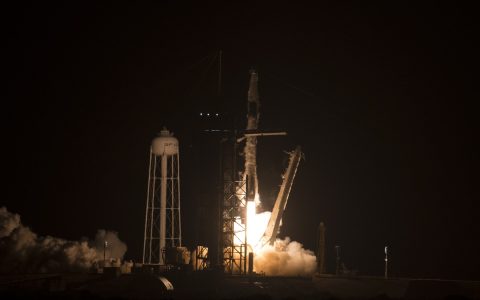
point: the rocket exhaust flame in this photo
(256, 224)
(283, 257)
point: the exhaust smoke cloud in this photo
(23, 251)
(285, 258)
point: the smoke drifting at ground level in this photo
(285, 258)
(23, 251)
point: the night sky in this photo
(379, 96)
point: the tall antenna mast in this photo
(219, 87)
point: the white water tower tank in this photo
(165, 144)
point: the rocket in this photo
(250, 150)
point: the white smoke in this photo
(285, 258)
(22, 251)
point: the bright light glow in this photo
(256, 225)
(285, 257)
(260, 222)
(251, 212)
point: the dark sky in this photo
(380, 96)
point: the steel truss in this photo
(163, 183)
(234, 227)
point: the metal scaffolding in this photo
(233, 212)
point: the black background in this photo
(380, 96)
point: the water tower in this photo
(163, 229)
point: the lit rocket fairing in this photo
(250, 150)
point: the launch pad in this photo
(241, 233)
(227, 270)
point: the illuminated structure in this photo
(240, 193)
(163, 229)
(273, 226)
(233, 212)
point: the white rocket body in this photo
(250, 150)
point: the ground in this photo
(209, 285)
